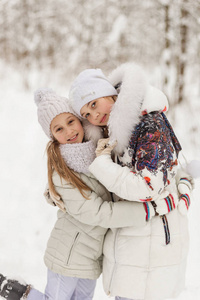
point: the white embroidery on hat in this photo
(91, 93)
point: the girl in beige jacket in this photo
(74, 251)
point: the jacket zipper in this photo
(72, 247)
(111, 279)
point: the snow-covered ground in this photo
(25, 218)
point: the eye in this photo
(58, 129)
(93, 104)
(87, 115)
(70, 122)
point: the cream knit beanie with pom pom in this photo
(49, 106)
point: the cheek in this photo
(110, 107)
(106, 108)
(62, 140)
(93, 121)
(80, 129)
(82, 132)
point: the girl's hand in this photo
(162, 206)
(103, 147)
(185, 185)
(54, 200)
(185, 195)
(166, 203)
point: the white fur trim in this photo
(126, 111)
(134, 96)
(154, 100)
(92, 132)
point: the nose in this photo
(68, 132)
(96, 115)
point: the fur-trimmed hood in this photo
(136, 97)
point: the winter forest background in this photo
(46, 44)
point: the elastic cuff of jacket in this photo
(186, 199)
(170, 202)
(186, 181)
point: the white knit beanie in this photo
(49, 106)
(90, 84)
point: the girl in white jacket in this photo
(74, 251)
(147, 263)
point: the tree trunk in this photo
(167, 47)
(183, 50)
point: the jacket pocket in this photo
(75, 240)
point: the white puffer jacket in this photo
(138, 264)
(76, 243)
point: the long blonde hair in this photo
(56, 162)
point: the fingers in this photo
(104, 147)
(102, 142)
(183, 189)
(112, 145)
(184, 204)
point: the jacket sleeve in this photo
(121, 181)
(97, 212)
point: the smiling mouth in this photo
(73, 138)
(103, 119)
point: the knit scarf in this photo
(78, 156)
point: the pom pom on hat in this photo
(41, 93)
(49, 106)
(89, 85)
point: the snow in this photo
(26, 219)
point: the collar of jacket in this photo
(136, 97)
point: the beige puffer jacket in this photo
(75, 245)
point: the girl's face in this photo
(97, 111)
(67, 129)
